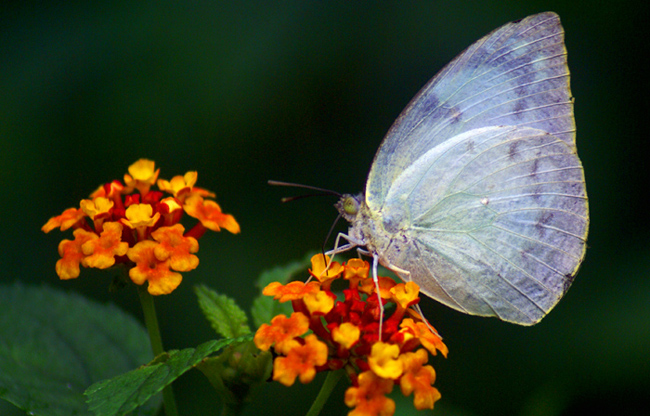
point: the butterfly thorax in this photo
(365, 225)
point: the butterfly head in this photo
(349, 206)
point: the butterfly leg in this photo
(352, 243)
(375, 278)
(405, 275)
(362, 252)
(340, 249)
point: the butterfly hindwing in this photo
(493, 221)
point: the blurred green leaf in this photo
(236, 372)
(53, 345)
(264, 307)
(126, 392)
(226, 318)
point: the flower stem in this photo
(332, 378)
(151, 321)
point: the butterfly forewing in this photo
(517, 75)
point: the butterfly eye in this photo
(351, 205)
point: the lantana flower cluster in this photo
(324, 333)
(129, 223)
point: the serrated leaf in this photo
(53, 345)
(225, 317)
(126, 392)
(264, 307)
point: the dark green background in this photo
(304, 91)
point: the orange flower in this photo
(419, 379)
(210, 215)
(175, 247)
(405, 295)
(100, 252)
(70, 217)
(161, 279)
(300, 362)
(385, 285)
(422, 332)
(112, 191)
(291, 291)
(72, 254)
(282, 332)
(356, 270)
(369, 397)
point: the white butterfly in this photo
(477, 193)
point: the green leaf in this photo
(126, 392)
(53, 345)
(264, 307)
(222, 312)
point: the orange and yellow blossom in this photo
(368, 396)
(132, 225)
(209, 214)
(345, 335)
(148, 268)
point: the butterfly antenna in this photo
(322, 191)
(329, 233)
(297, 197)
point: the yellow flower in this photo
(347, 334)
(140, 215)
(319, 303)
(142, 175)
(320, 271)
(384, 360)
(95, 207)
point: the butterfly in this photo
(477, 193)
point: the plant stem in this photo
(332, 378)
(151, 321)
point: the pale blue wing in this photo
(517, 75)
(492, 222)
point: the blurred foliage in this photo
(304, 91)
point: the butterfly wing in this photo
(491, 222)
(517, 75)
